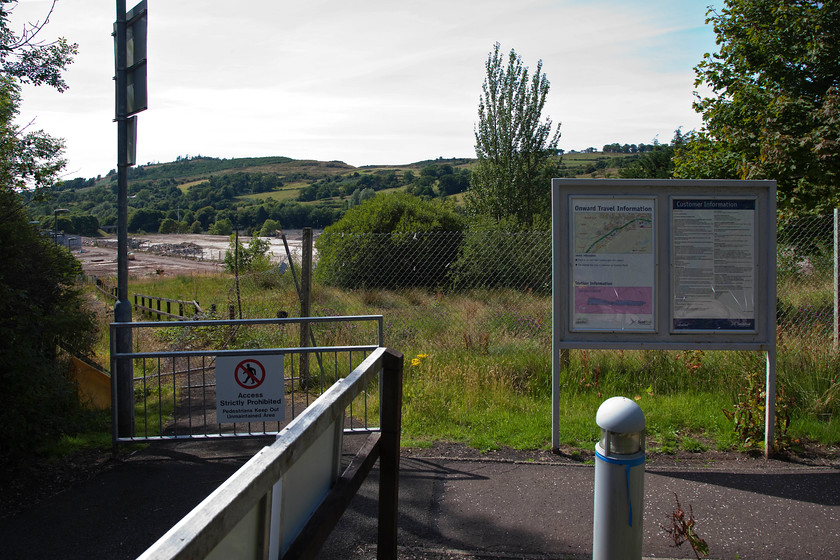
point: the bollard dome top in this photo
(620, 415)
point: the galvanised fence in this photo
(175, 374)
(451, 287)
(805, 277)
(482, 289)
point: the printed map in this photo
(613, 232)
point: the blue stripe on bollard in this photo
(627, 463)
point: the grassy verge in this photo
(478, 370)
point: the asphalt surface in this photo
(458, 507)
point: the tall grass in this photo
(478, 367)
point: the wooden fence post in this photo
(305, 303)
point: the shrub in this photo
(394, 229)
(496, 255)
(41, 310)
(254, 257)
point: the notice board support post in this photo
(557, 296)
(770, 404)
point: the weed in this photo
(482, 347)
(691, 360)
(415, 362)
(749, 412)
(590, 378)
(682, 530)
(693, 445)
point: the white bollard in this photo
(619, 481)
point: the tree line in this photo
(219, 203)
(43, 317)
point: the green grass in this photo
(153, 408)
(96, 434)
(478, 368)
(289, 192)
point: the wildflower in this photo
(422, 356)
(415, 362)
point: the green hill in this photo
(195, 193)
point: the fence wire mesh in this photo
(453, 289)
(805, 277)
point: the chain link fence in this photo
(805, 277)
(491, 288)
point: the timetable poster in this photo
(713, 264)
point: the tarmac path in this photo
(459, 507)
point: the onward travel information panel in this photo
(613, 264)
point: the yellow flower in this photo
(422, 356)
(415, 362)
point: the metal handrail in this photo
(250, 489)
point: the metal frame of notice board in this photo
(642, 264)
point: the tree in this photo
(221, 227)
(253, 257)
(41, 307)
(205, 216)
(28, 159)
(84, 224)
(269, 228)
(775, 108)
(513, 144)
(145, 219)
(168, 225)
(454, 183)
(657, 163)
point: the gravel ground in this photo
(152, 255)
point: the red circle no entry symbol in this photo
(249, 374)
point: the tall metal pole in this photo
(122, 309)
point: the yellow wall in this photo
(94, 385)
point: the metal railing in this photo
(285, 501)
(174, 390)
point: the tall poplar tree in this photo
(513, 144)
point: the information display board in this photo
(664, 264)
(713, 255)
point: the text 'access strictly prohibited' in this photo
(249, 389)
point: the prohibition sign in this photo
(249, 374)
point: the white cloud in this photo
(370, 81)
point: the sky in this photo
(369, 82)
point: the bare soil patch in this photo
(171, 255)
